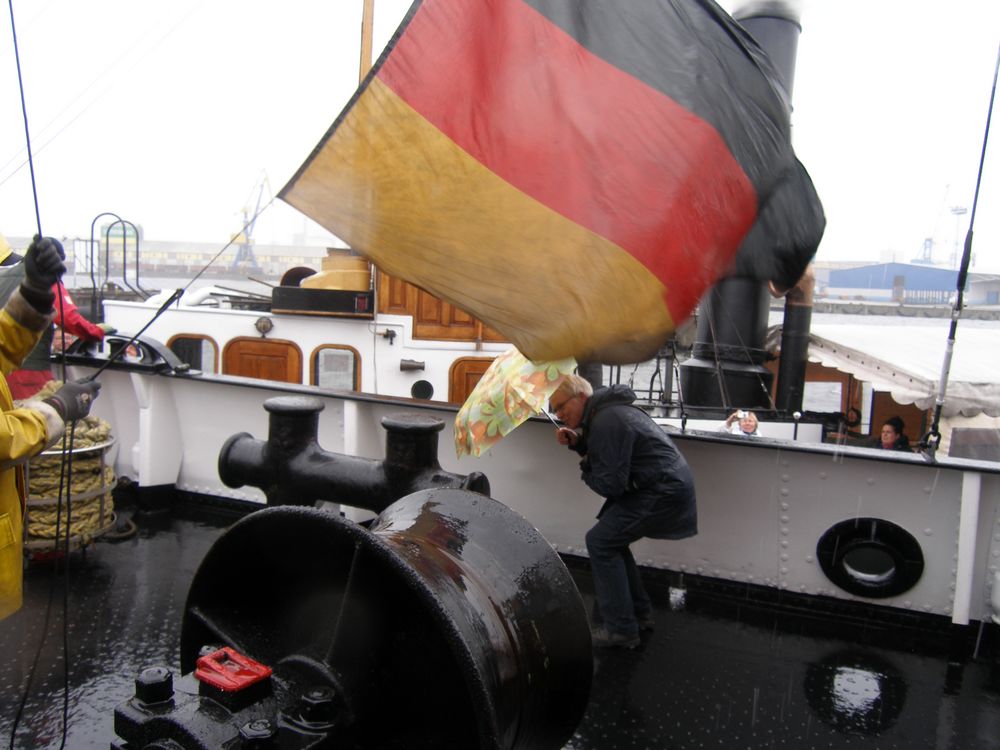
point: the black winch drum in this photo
(450, 622)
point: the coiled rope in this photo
(91, 504)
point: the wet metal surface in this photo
(713, 674)
(125, 604)
(716, 674)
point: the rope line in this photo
(24, 114)
(229, 244)
(66, 446)
(122, 60)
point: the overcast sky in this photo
(171, 114)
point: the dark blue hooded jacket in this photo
(629, 459)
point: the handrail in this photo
(93, 279)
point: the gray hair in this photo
(574, 385)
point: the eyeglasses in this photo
(556, 409)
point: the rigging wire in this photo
(66, 448)
(24, 114)
(66, 463)
(248, 223)
(65, 467)
(119, 351)
(680, 394)
(139, 43)
(719, 374)
(932, 439)
(747, 353)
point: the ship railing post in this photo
(968, 525)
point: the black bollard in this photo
(292, 468)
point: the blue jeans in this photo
(618, 587)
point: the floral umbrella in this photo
(510, 391)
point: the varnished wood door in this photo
(266, 359)
(464, 375)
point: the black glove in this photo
(42, 268)
(73, 400)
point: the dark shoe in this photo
(647, 623)
(604, 639)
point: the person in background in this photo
(741, 423)
(892, 437)
(35, 425)
(648, 489)
(36, 370)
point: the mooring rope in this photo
(92, 510)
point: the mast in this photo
(932, 439)
(367, 20)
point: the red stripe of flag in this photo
(577, 134)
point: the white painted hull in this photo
(762, 504)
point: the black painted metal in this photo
(870, 557)
(293, 469)
(794, 357)
(451, 623)
(775, 26)
(137, 289)
(143, 354)
(726, 367)
(97, 297)
(729, 664)
(293, 299)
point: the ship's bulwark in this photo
(718, 671)
(575, 175)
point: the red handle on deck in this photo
(229, 670)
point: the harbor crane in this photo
(245, 260)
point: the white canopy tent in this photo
(904, 355)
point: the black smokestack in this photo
(726, 368)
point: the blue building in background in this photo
(906, 282)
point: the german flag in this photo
(575, 173)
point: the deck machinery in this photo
(448, 621)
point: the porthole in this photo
(422, 389)
(870, 557)
(869, 564)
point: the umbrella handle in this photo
(553, 421)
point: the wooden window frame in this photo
(343, 347)
(215, 347)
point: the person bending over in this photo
(648, 489)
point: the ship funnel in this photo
(727, 367)
(776, 26)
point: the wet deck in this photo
(717, 672)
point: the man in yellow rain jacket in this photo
(28, 430)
